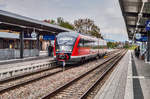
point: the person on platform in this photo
(50, 50)
(137, 51)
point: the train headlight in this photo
(70, 50)
(57, 50)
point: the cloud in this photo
(105, 13)
(2, 4)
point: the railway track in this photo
(79, 87)
(8, 79)
(20, 80)
(25, 79)
(13, 83)
(111, 52)
(95, 84)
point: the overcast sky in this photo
(106, 13)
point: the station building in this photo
(10, 45)
(21, 36)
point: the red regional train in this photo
(72, 47)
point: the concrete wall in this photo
(13, 53)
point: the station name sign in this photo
(48, 37)
(30, 35)
(138, 36)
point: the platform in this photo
(130, 80)
(23, 62)
(141, 78)
(22, 66)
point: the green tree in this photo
(111, 44)
(65, 24)
(60, 21)
(80, 25)
(87, 26)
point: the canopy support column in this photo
(148, 46)
(37, 43)
(21, 44)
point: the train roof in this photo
(76, 34)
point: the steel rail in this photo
(11, 87)
(57, 90)
(84, 95)
(21, 83)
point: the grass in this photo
(132, 47)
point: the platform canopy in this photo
(135, 13)
(17, 22)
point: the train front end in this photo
(63, 47)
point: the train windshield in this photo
(65, 43)
(66, 40)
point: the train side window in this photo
(81, 43)
(88, 43)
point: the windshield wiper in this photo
(64, 42)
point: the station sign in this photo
(48, 37)
(27, 35)
(143, 39)
(148, 25)
(137, 35)
(33, 34)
